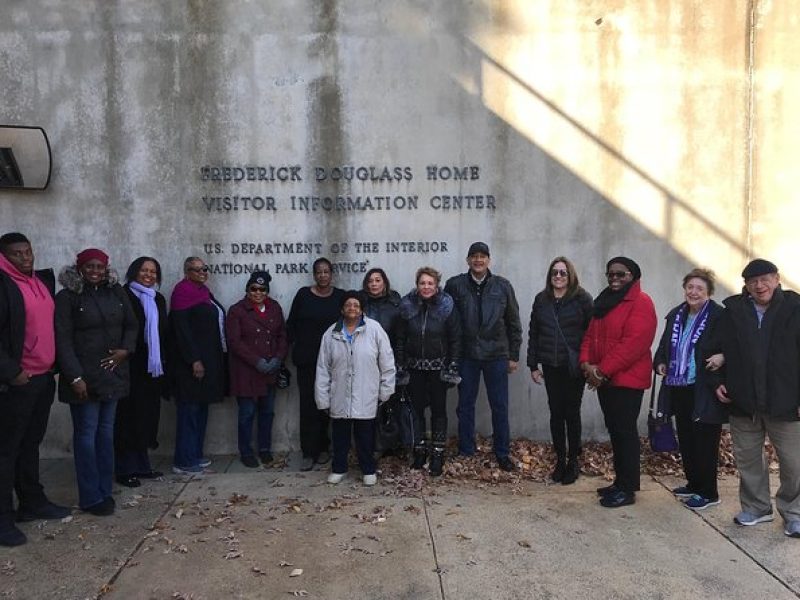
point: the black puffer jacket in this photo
(545, 344)
(89, 322)
(762, 365)
(490, 324)
(707, 409)
(12, 324)
(386, 311)
(429, 332)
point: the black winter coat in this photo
(12, 323)
(762, 365)
(89, 322)
(707, 409)
(428, 333)
(196, 336)
(490, 325)
(309, 318)
(136, 425)
(386, 311)
(546, 346)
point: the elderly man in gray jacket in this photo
(355, 371)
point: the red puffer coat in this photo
(251, 337)
(619, 343)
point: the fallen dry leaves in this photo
(535, 461)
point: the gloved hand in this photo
(402, 377)
(450, 375)
(273, 364)
(262, 366)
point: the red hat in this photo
(91, 254)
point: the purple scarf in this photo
(681, 349)
(187, 294)
(147, 297)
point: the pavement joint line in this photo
(734, 543)
(136, 548)
(433, 544)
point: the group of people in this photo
(118, 351)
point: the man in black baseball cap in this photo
(759, 335)
(491, 337)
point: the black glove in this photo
(450, 375)
(402, 377)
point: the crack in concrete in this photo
(433, 545)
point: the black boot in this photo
(420, 456)
(571, 472)
(437, 461)
(558, 472)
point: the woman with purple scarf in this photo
(686, 394)
(197, 363)
(136, 425)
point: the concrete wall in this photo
(662, 130)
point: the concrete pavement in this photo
(243, 533)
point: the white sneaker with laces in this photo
(370, 479)
(335, 477)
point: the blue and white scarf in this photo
(147, 296)
(682, 344)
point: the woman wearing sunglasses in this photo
(559, 317)
(616, 361)
(197, 321)
(256, 336)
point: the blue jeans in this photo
(93, 448)
(495, 377)
(265, 407)
(190, 433)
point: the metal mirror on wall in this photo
(25, 158)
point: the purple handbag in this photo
(659, 421)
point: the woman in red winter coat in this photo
(616, 360)
(257, 346)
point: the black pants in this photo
(621, 407)
(313, 422)
(362, 431)
(698, 443)
(428, 390)
(564, 396)
(24, 412)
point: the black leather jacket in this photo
(386, 311)
(498, 334)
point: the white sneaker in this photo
(335, 477)
(370, 479)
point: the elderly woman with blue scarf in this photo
(136, 425)
(686, 394)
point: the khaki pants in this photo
(748, 434)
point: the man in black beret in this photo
(759, 335)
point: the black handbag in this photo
(659, 421)
(284, 379)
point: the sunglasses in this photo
(558, 273)
(256, 288)
(198, 269)
(617, 274)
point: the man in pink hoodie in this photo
(27, 385)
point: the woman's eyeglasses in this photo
(255, 289)
(617, 274)
(558, 273)
(203, 269)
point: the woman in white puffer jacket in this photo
(355, 371)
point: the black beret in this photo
(757, 267)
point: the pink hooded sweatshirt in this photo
(39, 348)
